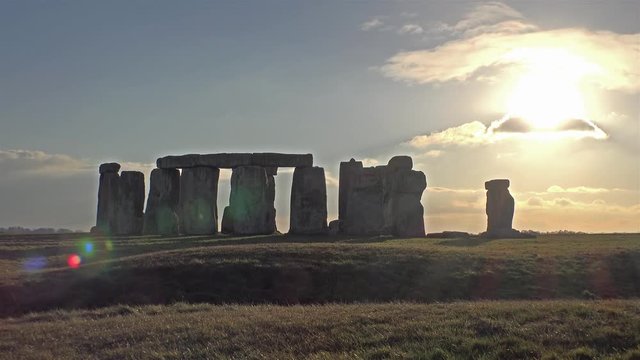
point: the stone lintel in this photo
(233, 160)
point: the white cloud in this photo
(34, 162)
(580, 190)
(476, 133)
(413, 29)
(473, 133)
(367, 162)
(371, 24)
(494, 38)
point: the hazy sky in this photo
(472, 90)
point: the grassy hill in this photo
(34, 274)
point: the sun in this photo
(547, 90)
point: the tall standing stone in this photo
(107, 198)
(349, 171)
(161, 214)
(500, 208)
(130, 204)
(308, 201)
(365, 203)
(251, 210)
(198, 200)
(404, 214)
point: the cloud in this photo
(371, 24)
(473, 133)
(34, 162)
(494, 38)
(576, 128)
(411, 29)
(484, 15)
(579, 190)
(476, 133)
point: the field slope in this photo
(35, 276)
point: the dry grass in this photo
(466, 330)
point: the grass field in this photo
(561, 296)
(34, 274)
(468, 330)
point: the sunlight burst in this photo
(548, 92)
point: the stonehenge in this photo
(129, 216)
(308, 202)
(381, 200)
(120, 201)
(198, 200)
(251, 210)
(183, 192)
(161, 214)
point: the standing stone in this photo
(198, 200)
(251, 210)
(404, 214)
(500, 208)
(308, 201)
(349, 170)
(161, 214)
(129, 217)
(365, 206)
(107, 198)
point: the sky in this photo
(544, 93)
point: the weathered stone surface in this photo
(130, 217)
(198, 200)
(107, 202)
(382, 199)
(281, 160)
(250, 210)
(227, 221)
(334, 227)
(233, 160)
(109, 168)
(400, 162)
(308, 201)
(161, 214)
(500, 208)
(349, 171)
(365, 215)
(404, 214)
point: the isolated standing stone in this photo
(251, 210)
(198, 200)
(161, 214)
(308, 201)
(130, 203)
(107, 198)
(500, 208)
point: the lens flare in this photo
(88, 247)
(34, 263)
(108, 245)
(74, 261)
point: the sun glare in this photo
(547, 91)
